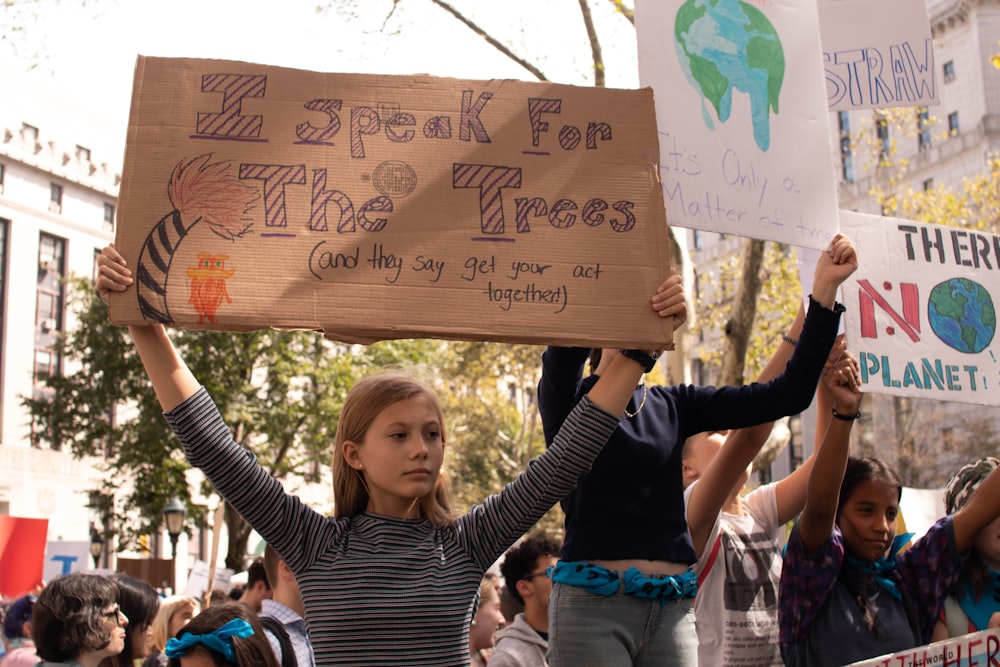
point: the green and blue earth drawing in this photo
(726, 44)
(962, 315)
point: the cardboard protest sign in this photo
(921, 317)
(22, 553)
(877, 54)
(742, 116)
(977, 648)
(377, 207)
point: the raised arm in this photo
(169, 375)
(790, 492)
(720, 478)
(822, 496)
(981, 509)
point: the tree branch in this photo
(493, 42)
(628, 13)
(595, 44)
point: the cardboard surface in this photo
(378, 207)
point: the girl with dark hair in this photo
(224, 635)
(77, 619)
(847, 591)
(139, 601)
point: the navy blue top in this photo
(631, 503)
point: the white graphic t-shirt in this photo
(736, 610)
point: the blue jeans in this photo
(619, 630)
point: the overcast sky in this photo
(80, 93)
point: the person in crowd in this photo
(218, 596)
(283, 614)
(525, 568)
(258, 587)
(224, 635)
(736, 607)
(77, 619)
(487, 620)
(847, 591)
(17, 631)
(623, 591)
(975, 605)
(174, 613)
(139, 602)
(394, 536)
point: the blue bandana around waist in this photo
(602, 581)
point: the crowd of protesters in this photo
(666, 559)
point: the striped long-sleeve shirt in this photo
(380, 590)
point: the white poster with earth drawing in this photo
(921, 317)
(741, 110)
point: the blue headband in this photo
(218, 640)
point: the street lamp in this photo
(173, 514)
(96, 548)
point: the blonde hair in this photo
(161, 622)
(366, 400)
(489, 584)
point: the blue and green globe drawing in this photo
(962, 315)
(724, 45)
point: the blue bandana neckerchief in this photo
(219, 640)
(878, 569)
(979, 611)
(602, 581)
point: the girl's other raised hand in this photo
(112, 273)
(669, 300)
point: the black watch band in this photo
(644, 359)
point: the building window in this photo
(953, 124)
(846, 154)
(55, 197)
(29, 135)
(949, 71)
(697, 239)
(923, 129)
(49, 306)
(928, 184)
(109, 217)
(882, 132)
(3, 173)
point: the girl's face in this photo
(868, 519)
(179, 619)
(116, 622)
(401, 456)
(140, 640)
(488, 619)
(987, 544)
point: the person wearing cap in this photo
(17, 630)
(975, 605)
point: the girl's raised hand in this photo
(669, 300)
(841, 376)
(112, 273)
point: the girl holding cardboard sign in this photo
(394, 544)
